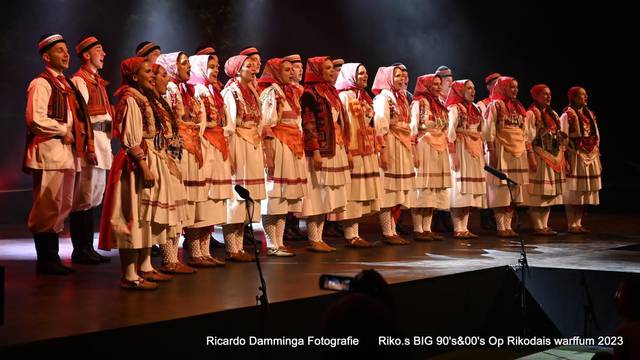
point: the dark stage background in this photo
(559, 43)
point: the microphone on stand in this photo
(497, 173)
(243, 193)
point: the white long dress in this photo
(398, 181)
(469, 186)
(433, 178)
(326, 188)
(245, 149)
(499, 123)
(288, 185)
(546, 185)
(216, 169)
(135, 217)
(365, 189)
(584, 178)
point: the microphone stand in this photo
(523, 263)
(261, 298)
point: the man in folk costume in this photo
(253, 53)
(442, 218)
(546, 178)
(337, 66)
(206, 50)
(446, 75)
(487, 220)
(91, 180)
(298, 68)
(489, 81)
(149, 51)
(58, 133)
(292, 227)
(405, 80)
(333, 228)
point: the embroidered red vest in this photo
(98, 103)
(57, 108)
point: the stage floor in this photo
(90, 300)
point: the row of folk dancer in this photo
(324, 151)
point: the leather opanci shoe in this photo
(154, 276)
(177, 268)
(358, 242)
(139, 284)
(320, 246)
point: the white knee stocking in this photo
(386, 222)
(416, 215)
(269, 224)
(427, 217)
(457, 216)
(500, 218)
(280, 229)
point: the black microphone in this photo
(497, 173)
(243, 193)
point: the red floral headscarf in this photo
(313, 79)
(423, 90)
(456, 96)
(499, 92)
(128, 68)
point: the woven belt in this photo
(101, 126)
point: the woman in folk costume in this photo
(167, 125)
(398, 217)
(469, 186)
(546, 178)
(284, 152)
(429, 127)
(583, 157)
(190, 118)
(140, 207)
(391, 119)
(365, 188)
(217, 167)
(509, 152)
(245, 151)
(326, 129)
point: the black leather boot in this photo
(55, 249)
(48, 260)
(88, 230)
(79, 236)
(487, 219)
